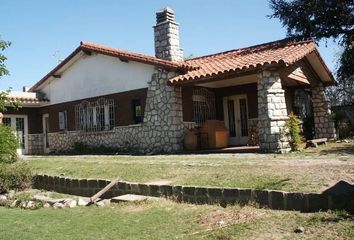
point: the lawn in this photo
(168, 220)
(313, 170)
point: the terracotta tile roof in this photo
(26, 98)
(284, 52)
(127, 55)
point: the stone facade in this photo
(167, 36)
(35, 144)
(324, 125)
(161, 131)
(272, 113)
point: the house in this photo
(106, 96)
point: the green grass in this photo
(168, 220)
(305, 171)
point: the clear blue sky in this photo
(40, 28)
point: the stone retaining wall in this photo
(307, 202)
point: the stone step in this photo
(132, 198)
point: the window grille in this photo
(63, 120)
(203, 106)
(95, 116)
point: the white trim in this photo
(45, 148)
(238, 139)
(13, 117)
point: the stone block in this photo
(61, 182)
(201, 195)
(68, 182)
(260, 197)
(188, 194)
(50, 181)
(317, 202)
(155, 190)
(83, 183)
(276, 199)
(92, 183)
(177, 193)
(144, 189)
(122, 186)
(166, 190)
(295, 201)
(134, 188)
(215, 194)
(102, 183)
(244, 196)
(75, 183)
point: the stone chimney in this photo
(167, 36)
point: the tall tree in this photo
(323, 19)
(4, 71)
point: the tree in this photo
(323, 19)
(3, 71)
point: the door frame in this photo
(45, 133)
(20, 151)
(238, 139)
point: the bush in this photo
(8, 145)
(292, 124)
(343, 126)
(15, 176)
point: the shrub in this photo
(15, 176)
(343, 125)
(8, 145)
(292, 124)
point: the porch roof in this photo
(26, 98)
(283, 52)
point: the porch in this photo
(254, 106)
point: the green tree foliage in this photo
(8, 145)
(3, 71)
(292, 125)
(323, 19)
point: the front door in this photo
(236, 119)
(45, 132)
(19, 125)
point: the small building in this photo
(106, 96)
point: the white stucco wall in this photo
(96, 75)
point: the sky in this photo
(43, 32)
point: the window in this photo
(137, 111)
(95, 116)
(203, 106)
(6, 121)
(63, 120)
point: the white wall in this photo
(96, 75)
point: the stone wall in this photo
(324, 125)
(272, 113)
(161, 131)
(281, 200)
(35, 144)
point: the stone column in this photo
(272, 113)
(324, 124)
(163, 119)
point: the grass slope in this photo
(168, 220)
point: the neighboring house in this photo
(105, 96)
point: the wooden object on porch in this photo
(216, 134)
(315, 142)
(191, 140)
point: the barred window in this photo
(203, 106)
(63, 120)
(95, 116)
